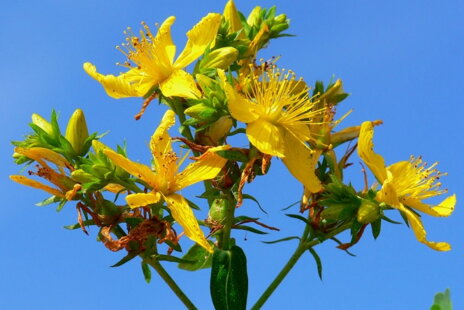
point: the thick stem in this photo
(171, 283)
(227, 221)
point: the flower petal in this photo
(301, 163)
(180, 84)
(199, 38)
(163, 45)
(40, 153)
(122, 86)
(206, 167)
(266, 137)
(138, 170)
(374, 161)
(240, 108)
(32, 183)
(160, 142)
(183, 215)
(445, 208)
(419, 231)
(142, 199)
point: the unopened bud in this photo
(42, 123)
(218, 210)
(76, 131)
(368, 212)
(282, 18)
(254, 19)
(201, 111)
(221, 58)
(218, 130)
(82, 177)
(231, 16)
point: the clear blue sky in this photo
(402, 62)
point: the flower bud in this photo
(254, 19)
(233, 19)
(201, 111)
(218, 210)
(282, 18)
(76, 131)
(368, 212)
(82, 177)
(42, 123)
(218, 130)
(221, 58)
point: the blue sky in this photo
(402, 62)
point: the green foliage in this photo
(229, 279)
(196, 258)
(442, 301)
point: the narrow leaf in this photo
(281, 240)
(247, 196)
(125, 259)
(299, 217)
(146, 272)
(250, 229)
(318, 261)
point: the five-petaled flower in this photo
(165, 180)
(405, 184)
(151, 61)
(277, 110)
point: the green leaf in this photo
(244, 218)
(376, 226)
(169, 258)
(77, 226)
(196, 258)
(318, 261)
(48, 201)
(282, 240)
(192, 204)
(61, 205)
(247, 196)
(293, 204)
(233, 155)
(237, 131)
(146, 272)
(442, 301)
(299, 217)
(250, 229)
(229, 279)
(125, 259)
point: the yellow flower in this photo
(277, 111)
(153, 62)
(405, 184)
(65, 187)
(165, 180)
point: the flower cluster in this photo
(228, 92)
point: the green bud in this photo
(221, 58)
(282, 18)
(82, 177)
(201, 111)
(276, 29)
(76, 131)
(332, 212)
(42, 123)
(254, 19)
(368, 212)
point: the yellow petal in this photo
(301, 163)
(160, 142)
(180, 84)
(163, 45)
(206, 167)
(115, 188)
(445, 208)
(266, 137)
(199, 38)
(32, 183)
(122, 86)
(183, 215)
(240, 108)
(39, 154)
(388, 194)
(419, 231)
(299, 130)
(138, 170)
(374, 161)
(142, 199)
(99, 146)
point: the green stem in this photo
(171, 283)
(302, 247)
(119, 232)
(227, 221)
